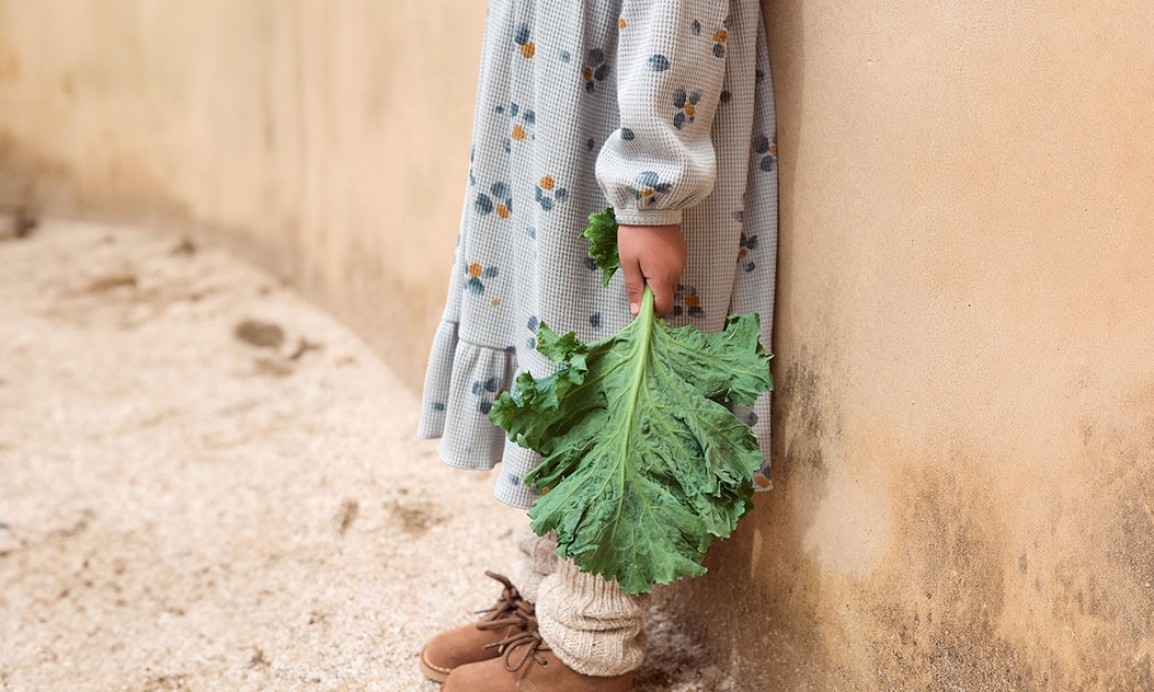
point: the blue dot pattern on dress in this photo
(596, 69)
(667, 116)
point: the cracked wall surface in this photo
(964, 490)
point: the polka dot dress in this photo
(663, 111)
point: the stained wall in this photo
(965, 419)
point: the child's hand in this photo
(653, 255)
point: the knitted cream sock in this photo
(590, 625)
(539, 560)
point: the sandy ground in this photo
(205, 483)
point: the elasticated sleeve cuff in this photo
(648, 217)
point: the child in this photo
(664, 111)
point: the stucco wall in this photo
(326, 140)
(965, 419)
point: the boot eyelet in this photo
(545, 663)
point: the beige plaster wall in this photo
(965, 351)
(965, 419)
(326, 140)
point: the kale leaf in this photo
(602, 237)
(644, 466)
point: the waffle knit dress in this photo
(661, 109)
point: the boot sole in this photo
(431, 671)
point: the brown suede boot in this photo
(510, 615)
(529, 666)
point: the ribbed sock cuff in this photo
(539, 560)
(588, 622)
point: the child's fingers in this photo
(634, 284)
(653, 255)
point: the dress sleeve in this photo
(670, 67)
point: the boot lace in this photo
(524, 642)
(511, 608)
(521, 647)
